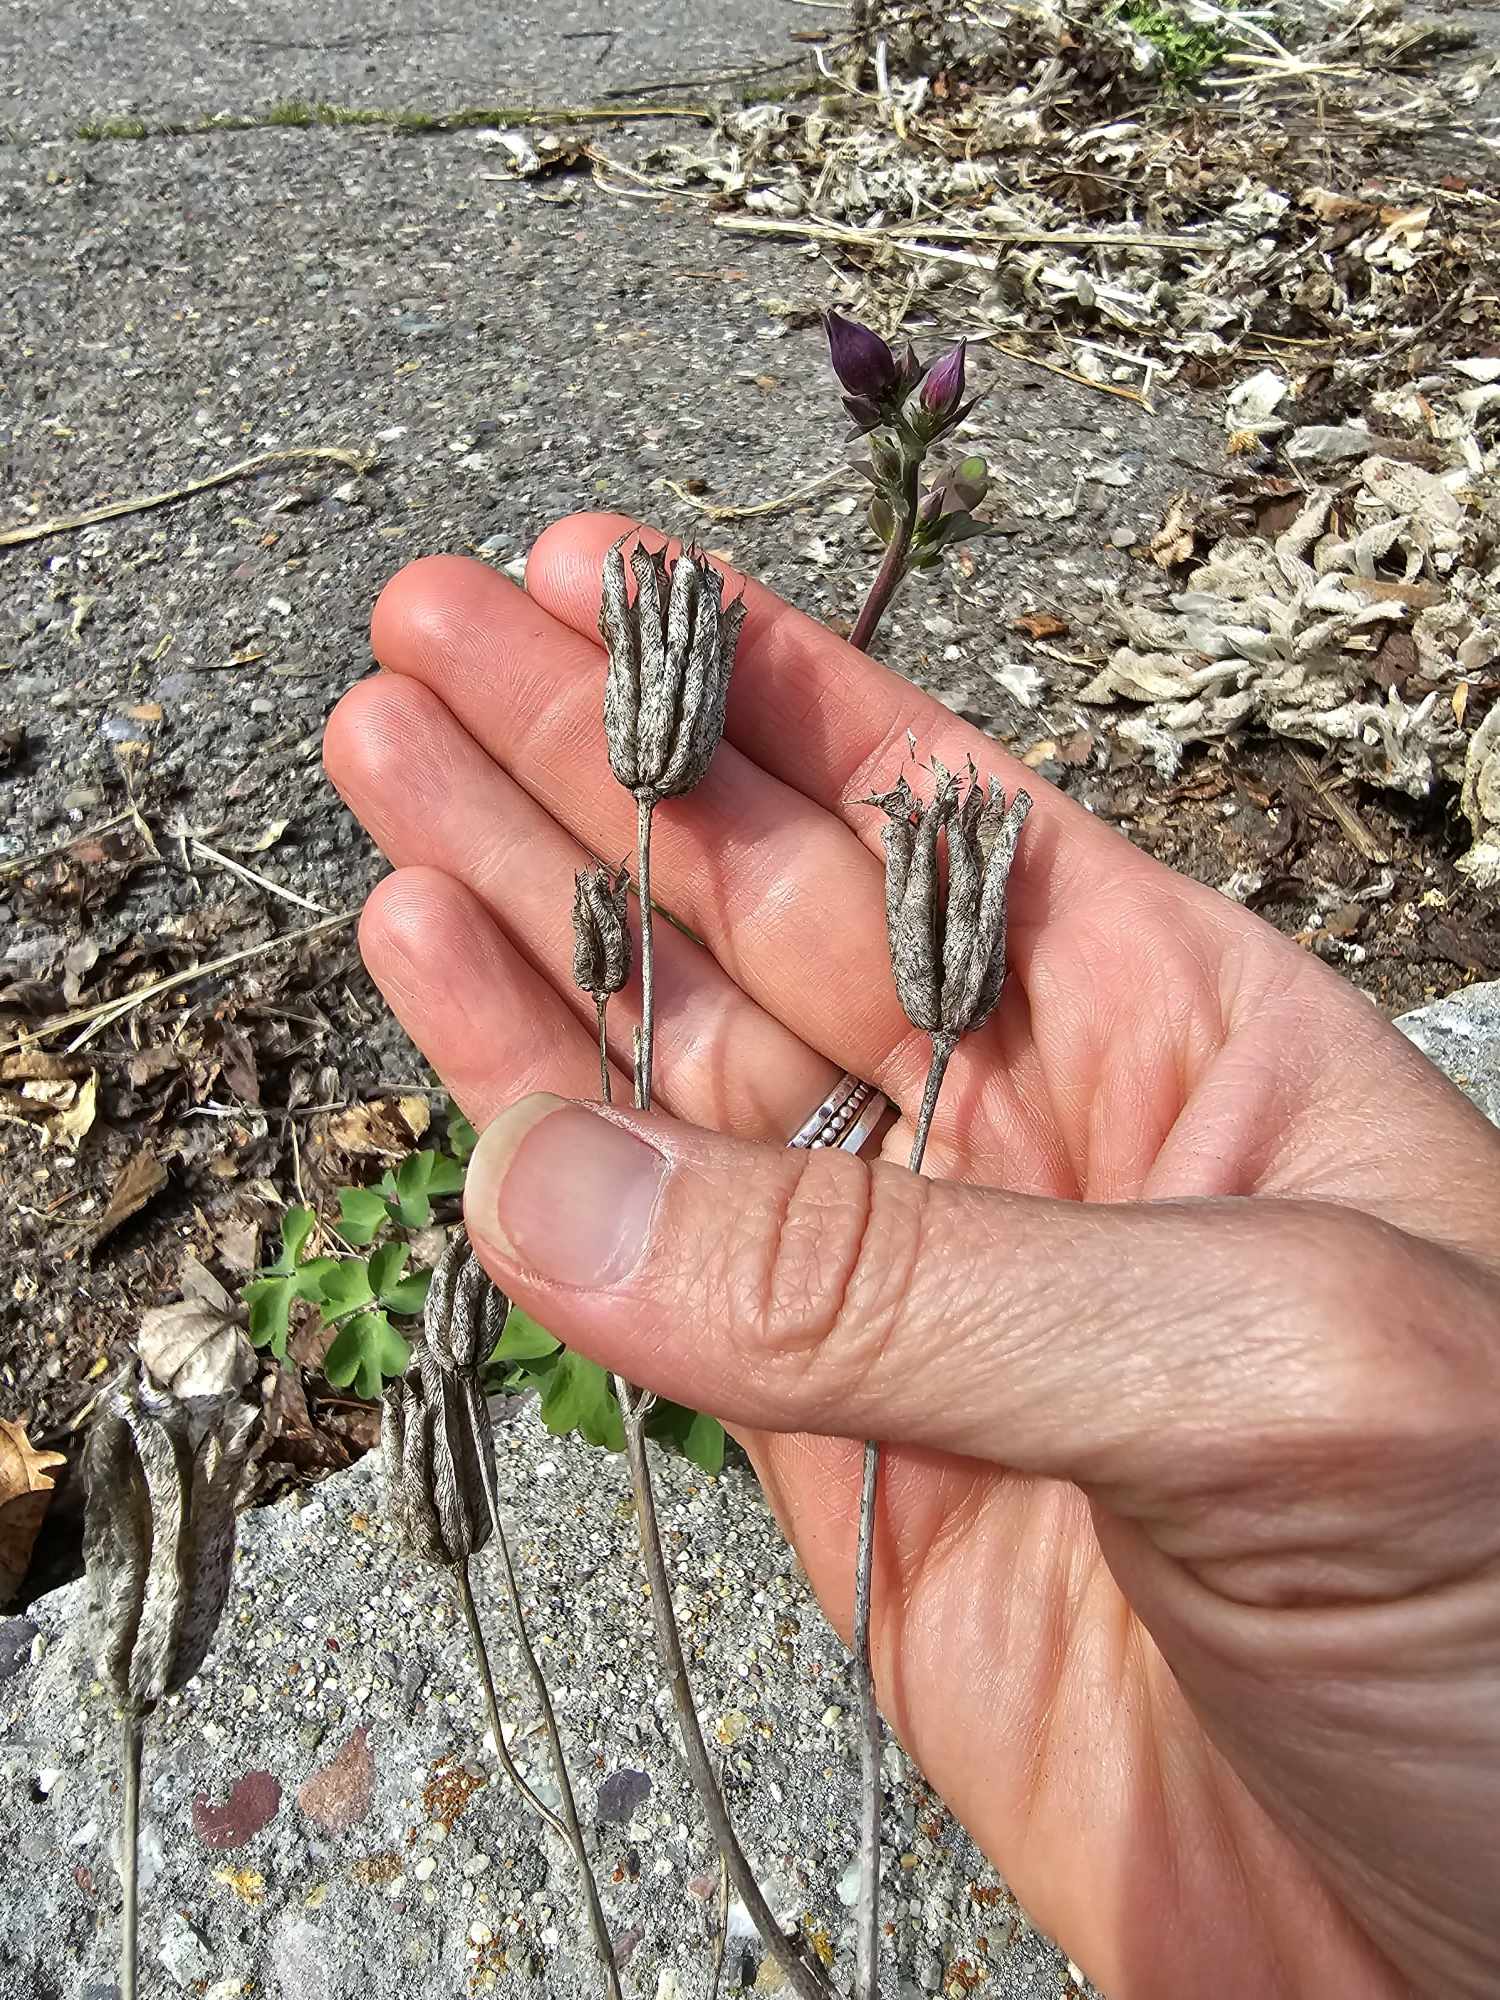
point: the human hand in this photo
(1187, 1592)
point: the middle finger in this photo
(789, 900)
(432, 799)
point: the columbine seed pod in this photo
(431, 1435)
(948, 951)
(465, 1313)
(161, 1476)
(601, 931)
(670, 656)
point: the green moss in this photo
(114, 128)
(1188, 51)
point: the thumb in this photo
(1115, 1346)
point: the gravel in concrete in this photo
(324, 1821)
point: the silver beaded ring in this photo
(845, 1118)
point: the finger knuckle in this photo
(833, 1279)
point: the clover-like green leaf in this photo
(366, 1351)
(418, 1181)
(576, 1395)
(462, 1138)
(395, 1292)
(345, 1289)
(695, 1436)
(297, 1226)
(523, 1339)
(363, 1213)
(271, 1293)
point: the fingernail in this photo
(558, 1191)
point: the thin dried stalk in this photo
(572, 1830)
(867, 1910)
(606, 1088)
(470, 1610)
(635, 1406)
(132, 1731)
(644, 807)
(804, 1982)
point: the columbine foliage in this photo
(371, 1297)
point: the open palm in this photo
(1155, 1044)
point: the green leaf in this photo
(523, 1339)
(395, 1293)
(409, 1296)
(420, 1179)
(576, 1396)
(296, 1226)
(362, 1215)
(696, 1437)
(346, 1288)
(270, 1302)
(270, 1295)
(385, 1265)
(365, 1351)
(462, 1138)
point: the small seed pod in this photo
(431, 1434)
(601, 930)
(671, 651)
(161, 1475)
(465, 1313)
(948, 951)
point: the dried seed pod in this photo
(161, 1475)
(601, 930)
(948, 950)
(432, 1431)
(465, 1312)
(671, 651)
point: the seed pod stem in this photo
(867, 1908)
(470, 1610)
(799, 1975)
(606, 1092)
(570, 1828)
(643, 810)
(132, 1731)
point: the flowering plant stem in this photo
(635, 1407)
(569, 1826)
(132, 1730)
(867, 1910)
(893, 566)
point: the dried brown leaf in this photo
(25, 1495)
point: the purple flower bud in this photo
(945, 383)
(864, 365)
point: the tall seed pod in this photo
(948, 959)
(161, 1476)
(437, 1447)
(671, 653)
(601, 945)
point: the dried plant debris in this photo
(1369, 626)
(1151, 188)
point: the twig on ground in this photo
(103, 1012)
(64, 524)
(783, 501)
(18, 863)
(260, 881)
